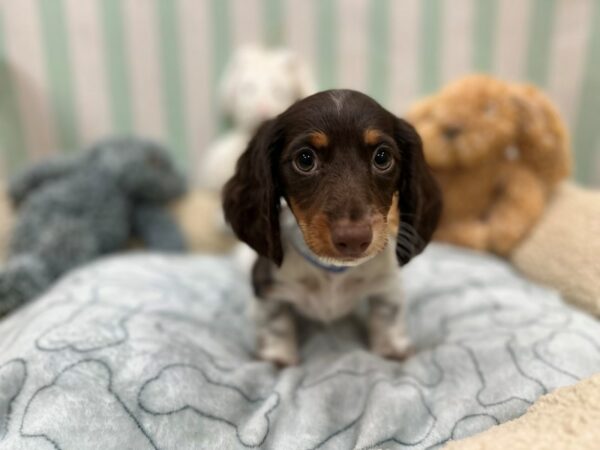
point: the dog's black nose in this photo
(351, 238)
(451, 131)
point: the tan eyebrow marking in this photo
(319, 139)
(371, 136)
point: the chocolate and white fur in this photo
(338, 159)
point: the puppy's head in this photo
(338, 158)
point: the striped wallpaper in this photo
(74, 70)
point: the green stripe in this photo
(59, 72)
(172, 79)
(326, 43)
(484, 32)
(587, 131)
(379, 50)
(116, 65)
(221, 40)
(273, 22)
(430, 51)
(11, 131)
(540, 41)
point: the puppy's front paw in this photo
(281, 351)
(392, 347)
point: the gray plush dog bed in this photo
(147, 351)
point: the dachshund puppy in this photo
(338, 159)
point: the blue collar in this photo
(294, 234)
(315, 262)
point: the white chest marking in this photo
(325, 296)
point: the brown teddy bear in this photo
(498, 150)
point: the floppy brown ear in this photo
(251, 198)
(419, 196)
(542, 139)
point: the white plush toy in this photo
(257, 85)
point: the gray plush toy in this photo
(74, 209)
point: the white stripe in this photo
(89, 68)
(353, 50)
(300, 29)
(26, 58)
(457, 40)
(246, 23)
(595, 181)
(196, 58)
(142, 36)
(512, 38)
(567, 59)
(404, 54)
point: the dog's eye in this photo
(305, 161)
(382, 159)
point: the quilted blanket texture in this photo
(149, 351)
